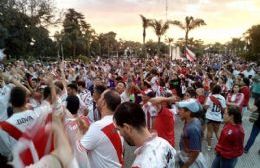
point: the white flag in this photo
(190, 55)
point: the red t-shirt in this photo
(201, 99)
(164, 125)
(246, 91)
(230, 144)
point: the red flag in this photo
(33, 144)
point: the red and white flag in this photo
(190, 55)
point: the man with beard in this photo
(101, 141)
(152, 151)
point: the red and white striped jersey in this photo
(103, 144)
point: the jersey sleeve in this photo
(90, 140)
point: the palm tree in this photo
(190, 24)
(160, 28)
(146, 23)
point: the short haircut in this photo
(99, 89)
(82, 84)
(73, 86)
(18, 97)
(130, 113)
(216, 89)
(73, 104)
(235, 112)
(46, 92)
(246, 81)
(112, 99)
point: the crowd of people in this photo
(72, 114)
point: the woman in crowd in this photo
(230, 144)
(235, 98)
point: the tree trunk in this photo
(158, 48)
(186, 38)
(144, 35)
(74, 51)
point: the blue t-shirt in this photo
(191, 137)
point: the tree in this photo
(76, 32)
(189, 24)
(160, 29)
(146, 23)
(252, 37)
(108, 43)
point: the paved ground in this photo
(250, 160)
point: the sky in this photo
(225, 19)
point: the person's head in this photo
(18, 97)
(81, 85)
(245, 82)
(72, 104)
(34, 83)
(189, 109)
(129, 119)
(72, 89)
(200, 92)
(257, 103)
(98, 90)
(108, 102)
(120, 87)
(148, 94)
(190, 93)
(216, 89)
(235, 88)
(233, 115)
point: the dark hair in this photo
(246, 81)
(73, 104)
(235, 112)
(257, 103)
(82, 84)
(130, 113)
(46, 92)
(191, 92)
(99, 89)
(73, 86)
(18, 97)
(216, 89)
(112, 99)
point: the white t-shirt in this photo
(4, 100)
(150, 112)
(155, 153)
(213, 111)
(103, 144)
(22, 121)
(247, 73)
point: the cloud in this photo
(224, 18)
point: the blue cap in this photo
(192, 104)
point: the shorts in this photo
(212, 121)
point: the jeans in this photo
(255, 131)
(220, 162)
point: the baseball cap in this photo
(148, 93)
(191, 104)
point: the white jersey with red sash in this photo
(15, 126)
(103, 144)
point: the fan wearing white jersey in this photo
(13, 127)
(101, 141)
(152, 151)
